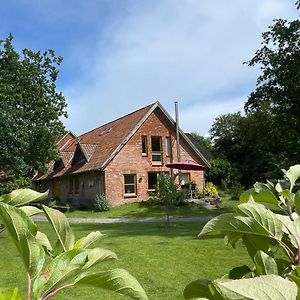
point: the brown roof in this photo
(100, 144)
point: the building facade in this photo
(120, 159)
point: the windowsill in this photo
(157, 163)
(129, 195)
(144, 154)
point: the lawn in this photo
(163, 259)
(146, 209)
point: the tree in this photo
(219, 172)
(243, 142)
(30, 108)
(278, 87)
(166, 192)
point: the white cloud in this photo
(191, 51)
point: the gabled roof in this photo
(100, 145)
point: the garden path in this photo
(130, 220)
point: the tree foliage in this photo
(30, 108)
(220, 172)
(278, 87)
(239, 140)
(271, 239)
(166, 192)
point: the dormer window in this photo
(79, 156)
(58, 164)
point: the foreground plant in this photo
(271, 239)
(69, 261)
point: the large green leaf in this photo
(86, 241)
(264, 217)
(62, 229)
(259, 194)
(263, 287)
(117, 280)
(23, 231)
(198, 289)
(98, 255)
(30, 210)
(292, 228)
(255, 243)
(60, 271)
(265, 264)
(293, 173)
(8, 294)
(43, 240)
(23, 196)
(231, 223)
(239, 272)
(295, 276)
(297, 202)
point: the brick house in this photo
(120, 159)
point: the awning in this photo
(186, 165)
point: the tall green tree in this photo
(30, 108)
(241, 140)
(278, 87)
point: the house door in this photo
(57, 189)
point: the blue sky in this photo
(120, 55)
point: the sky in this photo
(120, 55)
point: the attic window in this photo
(58, 164)
(79, 157)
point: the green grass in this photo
(163, 259)
(145, 209)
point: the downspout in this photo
(177, 130)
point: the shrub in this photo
(236, 190)
(210, 190)
(180, 198)
(101, 203)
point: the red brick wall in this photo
(130, 161)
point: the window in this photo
(130, 185)
(184, 178)
(168, 146)
(76, 179)
(78, 157)
(152, 180)
(144, 145)
(156, 148)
